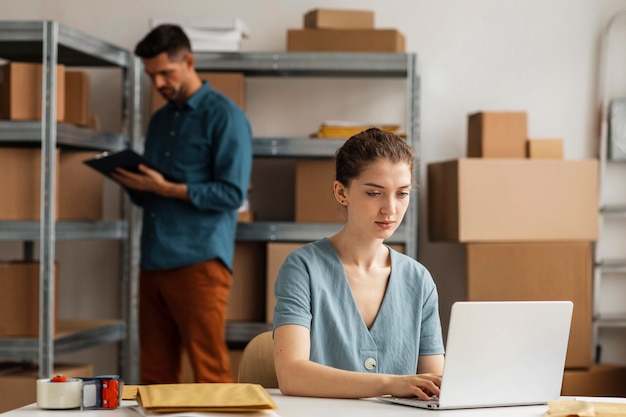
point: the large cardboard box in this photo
(537, 272)
(231, 84)
(78, 188)
(492, 200)
(339, 19)
(19, 385)
(497, 135)
(598, 381)
(20, 182)
(544, 148)
(81, 188)
(20, 91)
(77, 98)
(315, 201)
(246, 302)
(345, 40)
(19, 299)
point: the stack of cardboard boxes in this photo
(339, 30)
(528, 219)
(79, 192)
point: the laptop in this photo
(502, 353)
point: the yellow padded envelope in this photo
(575, 408)
(204, 397)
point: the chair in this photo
(257, 362)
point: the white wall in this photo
(540, 56)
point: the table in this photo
(318, 407)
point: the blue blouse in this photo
(312, 290)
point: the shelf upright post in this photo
(130, 363)
(413, 128)
(50, 38)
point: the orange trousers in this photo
(184, 308)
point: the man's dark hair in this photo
(170, 39)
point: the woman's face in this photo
(378, 198)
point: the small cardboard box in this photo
(20, 91)
(598, 381)
(537, 272)
(20, 182)
(81, 188)
(231, 84)
(544, 148)
(19, 386)
(345, 40)
(77, 98)
(315, 201)
(19, 299)
(245, 301)
(497, 135)
(339, 19)
(499, 200)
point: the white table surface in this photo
(317, 407)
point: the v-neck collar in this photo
(353, 304)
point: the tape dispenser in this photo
(62, 393)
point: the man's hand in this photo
(150, 180)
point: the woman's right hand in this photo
(422, 386)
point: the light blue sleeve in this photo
(293, 293)
(431, 340)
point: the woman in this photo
(354, 318)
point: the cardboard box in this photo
(537, 272)
(497, 135)
(77, 98)
(544, 148)
(20, 182)
(231, 84)
(598, 381)
(339, 19)
(81, 188)
(78, 188)
(19, 299)
(18, 385)
(315, 201)
(20, 91)
(492, 200)
(345, 40)
(245, 301)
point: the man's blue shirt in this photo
(206, 144)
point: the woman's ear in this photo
(340, 192)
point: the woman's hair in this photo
(366, 147)
(170, 39)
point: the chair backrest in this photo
(257, 362)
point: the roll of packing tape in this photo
(59, 395)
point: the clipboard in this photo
(127, 159)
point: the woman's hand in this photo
(422, 386)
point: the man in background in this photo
(203, 139)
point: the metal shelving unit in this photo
(51, 43)
(610, 212)
(313, 64)
(283, 64)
